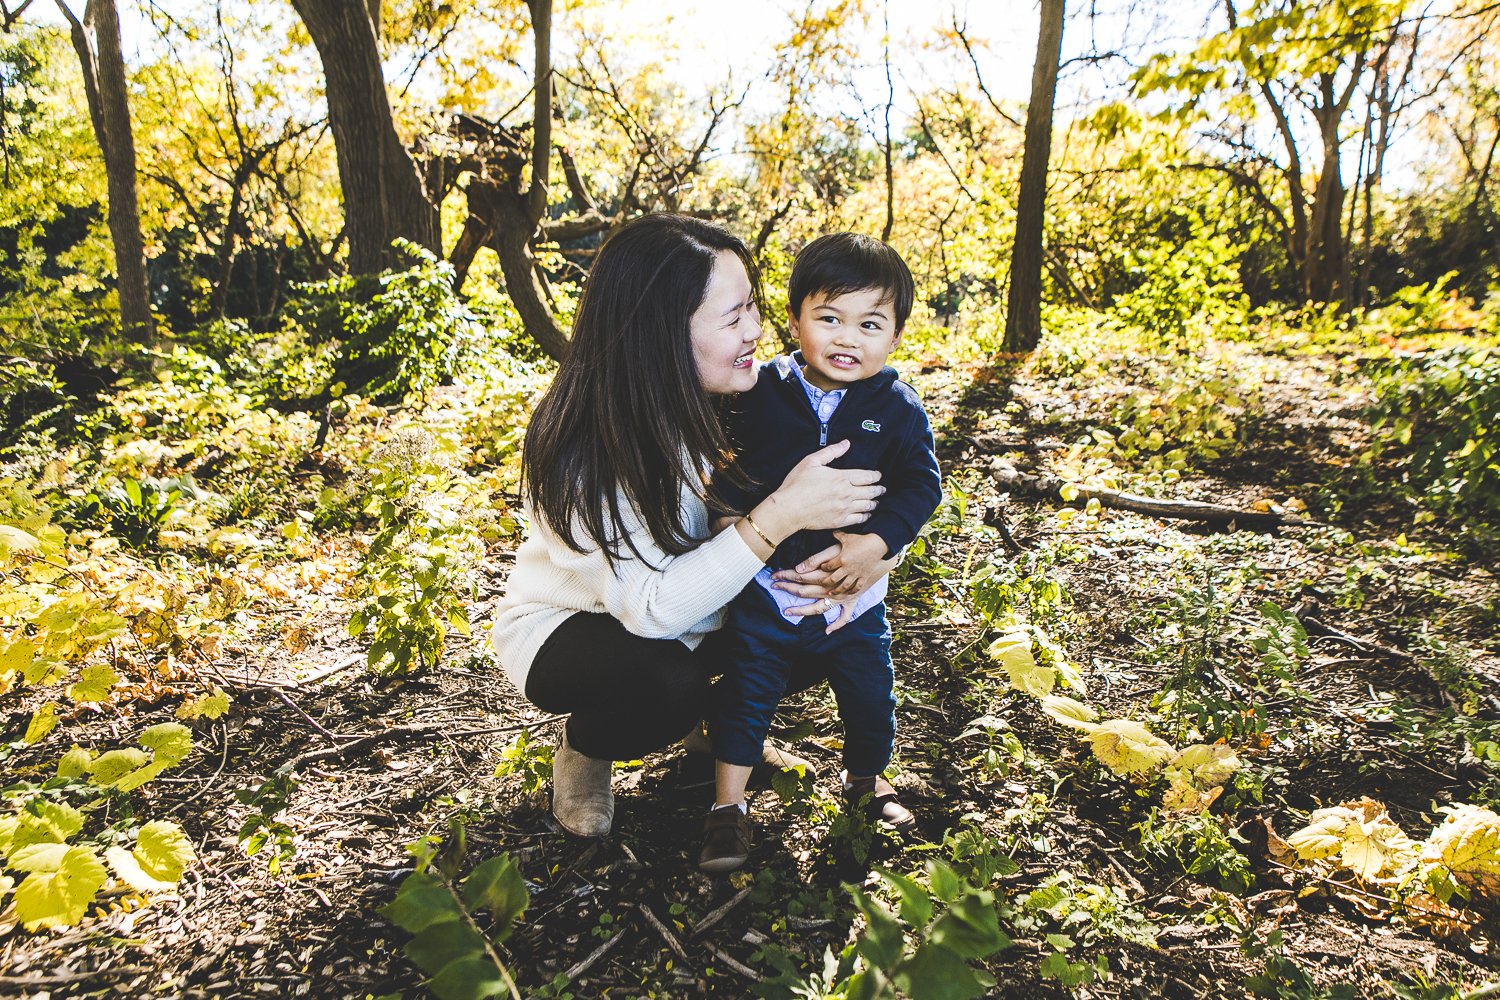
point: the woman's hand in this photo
(813, 496)
(813, 579)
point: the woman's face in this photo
(725, 329)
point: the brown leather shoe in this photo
(726, 840)
(880, 802)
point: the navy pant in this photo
(763, 650)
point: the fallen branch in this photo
(418, 731)
(1006, 442)
(587, 962)
(719, 914)
(733, 963)
(1317, 627)
(663, 930)
(1009, 477)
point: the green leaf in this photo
(74, 763)
(468, 979)
(44, 670)
(498, 885)
(935, 973)
(882, 943)
(43, 721)
(112, 765)
(945, 883)
(94, 684)
(970, 928)
(916, 905)
(60, 898)
(421, 902)
(443, 944)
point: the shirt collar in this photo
(813, 391)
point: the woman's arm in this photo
(661, 596)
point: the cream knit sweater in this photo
(683, 597)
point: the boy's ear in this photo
(897, 338)
(791, 320)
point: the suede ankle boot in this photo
(582, 801)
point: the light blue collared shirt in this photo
(823, 404)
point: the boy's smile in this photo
(845, 338)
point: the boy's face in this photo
(845, 338)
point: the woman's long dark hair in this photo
(627, 417)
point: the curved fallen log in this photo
(1007, 476)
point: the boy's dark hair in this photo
(840, 263)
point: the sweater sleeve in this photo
(662, 596)
(914, 488)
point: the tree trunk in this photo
(1323, 277)
(96, 40)
(1023, 319)
(384, 198)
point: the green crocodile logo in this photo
(870, 425)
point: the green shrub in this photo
(1437, 412)
(401, 333)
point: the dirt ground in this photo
(378, 764)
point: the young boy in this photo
(848, 301)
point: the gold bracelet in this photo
(756, 528)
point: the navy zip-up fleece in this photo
(773, 427)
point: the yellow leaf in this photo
(1196, 776)
(1070, 712)
(1362, 835)
(12, 540)
(1127, 747)
(43, 721)
(1013, 652)
(208, 706)
(111, 766)
(60, 897)
(1467, 843)
(1323, 836)
(17, 656)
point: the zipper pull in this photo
(823, 434)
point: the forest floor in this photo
(631, 916)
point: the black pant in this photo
(628, 696)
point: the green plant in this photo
(420, 562)
(439, 909)
(261, 829)
(1436, 411)
(401, 333)
(1281, 977)
(1069, 912)
(54, 861)
(1198, 844)
(1183, 287)
(923, 949)
(135, 510)
(531, 759)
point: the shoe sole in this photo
(565, 828)
(719, 866)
